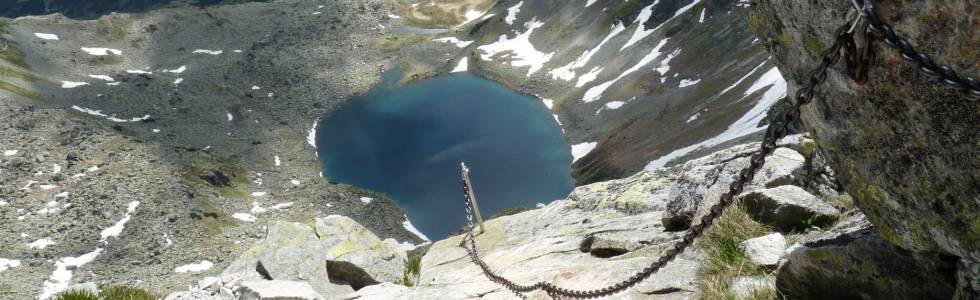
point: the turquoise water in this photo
(408, 141)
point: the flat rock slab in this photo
(788, 207)
(278, 290)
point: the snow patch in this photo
(548, 103)
(41, 243)
(46, 36)
(206, 51)
(10, 152)
(101, 51)
(244, 217)
(61, 277)
(411, 228)
(512, 13)
(194, 267)
(746, 125)
(116, 229)
(139, 72)
(522, 51)
(311, 136)
(278, 161)
(567, 72)
(72, 84)
(98, 113)
(692, 118)
(367, 200)
(645, 15)
(580, 150)
(595, 92)
(688, 82)
(462, 66)
(471, 15)
(743, 78)
(8, 264)
(102, 77)
(179, 70)
(615, 104)
(258, 194)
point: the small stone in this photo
(765, 250)
(210, 284)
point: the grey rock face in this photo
(278, 290)
(356, 255)
(788, 207)
(852, 261)
(336, 257)
(903, 146)
(705, 179)
(764, 250)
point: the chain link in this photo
(969, 86)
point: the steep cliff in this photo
(904, 145)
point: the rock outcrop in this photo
(336, 255)
(602, 234)
(903, 145)
(783, 207)
(704, 179)
(852, 261)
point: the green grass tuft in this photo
(125, 293)
(76, 295)
(108, 293)
(413, 267)
(724, 261)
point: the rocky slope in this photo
(156, 145)
(168, 144)
(635, 84)
(168, 139)
(601, 234)
(903, 144)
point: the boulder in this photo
(764, 250)
(788, 207)
(277, 290)
(852, 261)
(902, 144)
(290, 251)
(356, 256)
(704, 180)
(210, 284)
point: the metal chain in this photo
(775, 131)
(969, 86)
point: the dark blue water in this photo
(408, 141)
